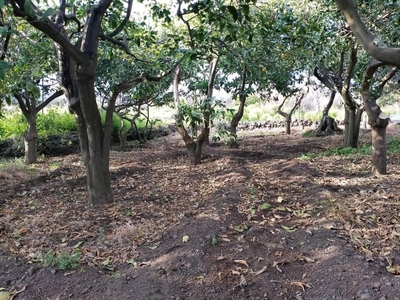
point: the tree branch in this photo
(368, 41)
(122, 25)
(48, 100)
(47, 27)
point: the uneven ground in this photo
(259, 222)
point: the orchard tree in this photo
(377, 46)
(77, 31)
(29, 81)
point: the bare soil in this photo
(258, 222)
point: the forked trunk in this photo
(379, 150)
(30, 139)
(194, 150)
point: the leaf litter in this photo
(288, 222)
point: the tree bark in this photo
(376, 118)
(210, 88)
(379, 166)
(239, 114)
(235, 122)
(30, 141)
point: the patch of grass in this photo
(363, 150)
(308, 133)
(12, 164)
(61, 260)
(393, 146)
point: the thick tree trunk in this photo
(328, 126)
(195, 150)
(376, 118)
(351, 140)
(30, 139)
(379, 150)
(96, 160)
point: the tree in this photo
(29, 81)
(288, 115)
(384, 55)
(78, 56)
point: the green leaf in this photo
(264, 206)
(2, 3)
(48, 13)
(28, 7)
(214, 241)
(5, 65)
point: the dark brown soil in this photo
(258, 222)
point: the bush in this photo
(13, 125)
(54, 122)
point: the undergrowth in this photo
(393, 147)
(61, 260)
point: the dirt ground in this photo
(258, 222)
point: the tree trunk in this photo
(235, 122)
(328, 106)
(288, 122)
(378, 150)
(96, 159)
(328, 126)
(376, 118)
(210, 87)
(30, 139)
(195, 150)
(351, 140)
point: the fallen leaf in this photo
(264, 206)
(242, 262)
(4, 295)
(78, 244)
(236, 272)
(288, 229)
(185, 238)
(300, 284)
(261, 271)
(23, 230)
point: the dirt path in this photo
(259, 222)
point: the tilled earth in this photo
(264, 221)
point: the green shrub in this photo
(54, 122)
(13, 125)
(61, 260)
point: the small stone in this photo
(365, 297)
(53, 271)
(376, 285)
